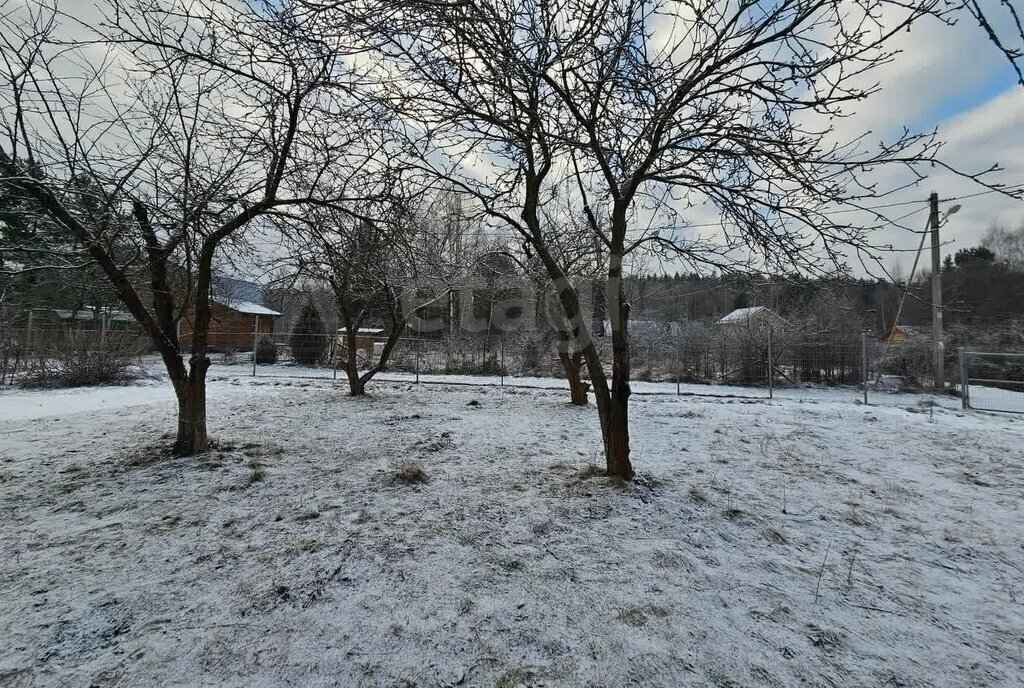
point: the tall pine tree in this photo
(309, 336)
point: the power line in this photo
(973, 195)
(867, 209)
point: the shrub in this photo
(12, 355)
(309, 336)
(83, 358)
(266, 351)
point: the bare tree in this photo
(373, 259)
(644, 108)
(1007, 245)
(583, 257)
(193, 121)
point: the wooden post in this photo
(771, 366)
(418, 360)
(501, 357)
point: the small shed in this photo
(753, 318)
(369, 340)
(235, 325)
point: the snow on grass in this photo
(415, 538)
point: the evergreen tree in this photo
(309, 336)
(976, 255)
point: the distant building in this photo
(234, 325)
(238, 316)
(369, 341)
(650, 329)
(104, 317)
(909, 334)
(753, 318)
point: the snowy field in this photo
(805, 541)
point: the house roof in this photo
(742, 315)
(88, 313)
(233, 289)
(249, 308)
(913, 331)
(652, 328)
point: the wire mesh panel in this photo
(79, 353)
(993, 381)
(286, 354)
(283, 354)
(666, 358)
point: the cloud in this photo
(974, 140)
(951, 78)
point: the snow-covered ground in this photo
(804, 541)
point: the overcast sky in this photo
(954, 79)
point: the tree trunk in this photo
(356, 385)
(616, 444)
(569, 300)
(398, 324)
(617, 428)
(191, 393)
(571, 363)
(612, 403)
(571, 359)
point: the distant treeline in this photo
(981, 286)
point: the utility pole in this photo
(938, 361)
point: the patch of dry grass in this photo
(410, 473)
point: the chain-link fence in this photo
(757, 362)
(992, 381)
(83, 354)
(686, 358)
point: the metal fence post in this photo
(677, 359)
(418, 343)
(334, 354)
(255, 341)
(965, 388)
(864, 363)
(501, 358)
